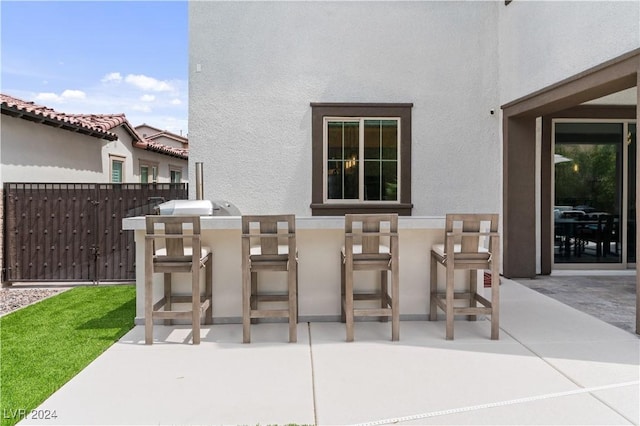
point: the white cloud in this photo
(112, 76)
(67, 95)
(47, 97)
(73, 94)
(163, 109)
(148, 83)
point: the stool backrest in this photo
(469, 226)
(370, 230)
(271, 229)
(173, 231)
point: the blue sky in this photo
(99, 57)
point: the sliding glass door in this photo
(631, 193)
(594, 192)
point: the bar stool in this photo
(464, 248)
(369, 247)
(269, 247)
(173, 232)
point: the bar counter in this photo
(319, 240)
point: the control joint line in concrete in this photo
(313, 377)
(498, 404)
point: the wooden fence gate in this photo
(73, 231)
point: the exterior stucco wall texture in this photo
(33, 152)
(256, 67)
(121, 147)
(170, 142)
(543, 42)
(124, 147)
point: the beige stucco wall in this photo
(145, 130)
(164, 163)
(543, 42)
(34, 152)
(251, 83)
(256, 66)
(169, 142)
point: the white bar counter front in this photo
(319, 241)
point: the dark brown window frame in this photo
(321, 110)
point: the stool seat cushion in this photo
(357, 249)
(188, 251)
(283, 249)
(457, 248)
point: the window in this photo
(361, 158)
(117, 169)
(148, 172)
(176, 175)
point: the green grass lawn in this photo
(44, 345)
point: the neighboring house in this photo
(420, 108)
(39, 144)
(157, 137)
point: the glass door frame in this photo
(624, 214)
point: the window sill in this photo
(403, 209)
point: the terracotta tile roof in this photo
(96, 125)
(160, 133)
(151, 145)
(42, 114)
(104, 121)
(169, 135)
(163, 149)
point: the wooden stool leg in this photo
(246, 298)
(449, 303)
(395, 296)
(167, 296)
(384, 294)
(254, 295)
(495, 302)
(349, 301)
(195, 304)
(343, 299)
(473, 290)
(293, 295)
(148, 304)
(433, 306)
(208, 319)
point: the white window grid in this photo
(360, 199)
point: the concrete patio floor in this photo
(552, 365)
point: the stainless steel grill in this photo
(198, 208)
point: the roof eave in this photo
(160, 150)
(61, 124)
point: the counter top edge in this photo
(302, 222)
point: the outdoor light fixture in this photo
(576, 168)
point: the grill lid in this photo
(197, 208)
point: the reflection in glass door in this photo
(588, 201)
(631, 193)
